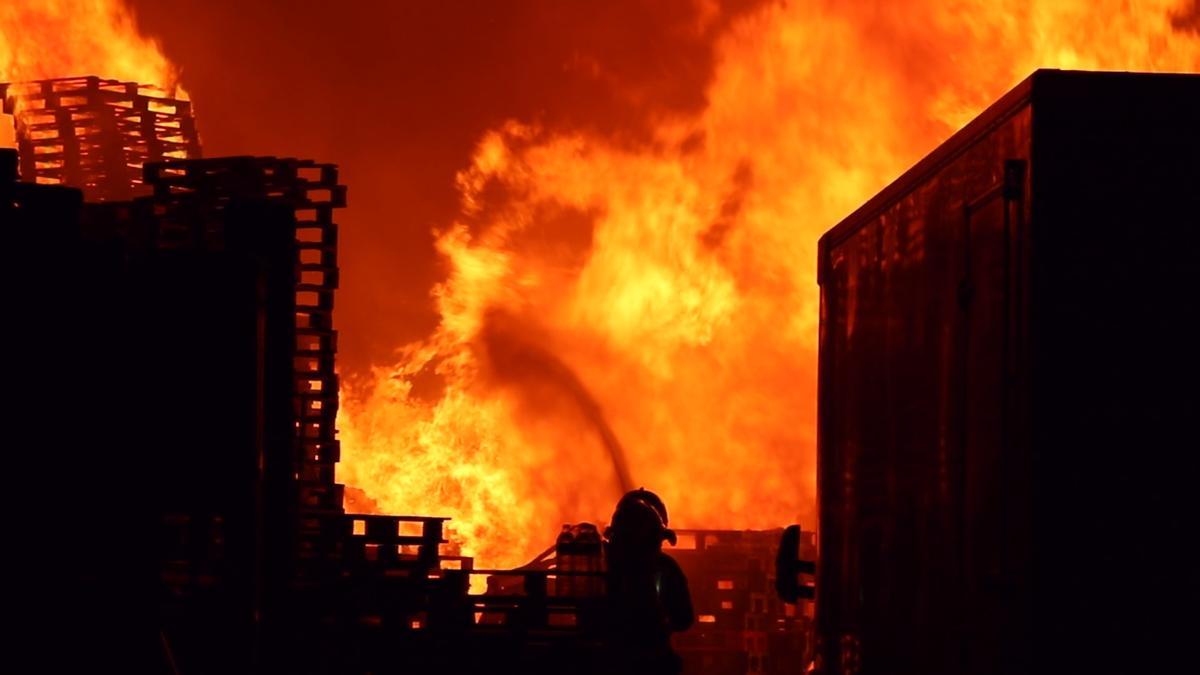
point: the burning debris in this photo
(222, 279)
(742, 625)
(97, 134)
(669, 271)
(613, 310)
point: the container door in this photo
(985, 304)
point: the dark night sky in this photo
(398, 93)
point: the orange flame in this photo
(43, 39)
(667, 293)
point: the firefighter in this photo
(648, 596)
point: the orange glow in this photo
(663, 301)
(43, 39)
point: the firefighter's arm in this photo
(675, 597)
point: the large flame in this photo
(656, 306)
(43, 39)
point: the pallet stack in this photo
(97, 134)
(741, 624)
(186, 196)
(308, 566)
(185, 190)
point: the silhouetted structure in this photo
(1007, 381)
(742, 626)
(205, 463)
(96, 134)
(189, 199)
(187, 335)
(62, 569)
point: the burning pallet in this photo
(742, 626)
(240, 255)
(97, 134)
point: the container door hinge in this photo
(966, 291)
(1014, 179)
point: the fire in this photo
(656, 306)
(43, 39)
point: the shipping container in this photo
(1008, 393)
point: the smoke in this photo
(616, 206)
(1187, 19)
(516, 361)
(398, 94)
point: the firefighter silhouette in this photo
(648, 596)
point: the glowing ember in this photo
(661, 304)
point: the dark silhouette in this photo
(648, 596)
(1007, 393)
(789, 567)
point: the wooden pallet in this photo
(96, 134)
